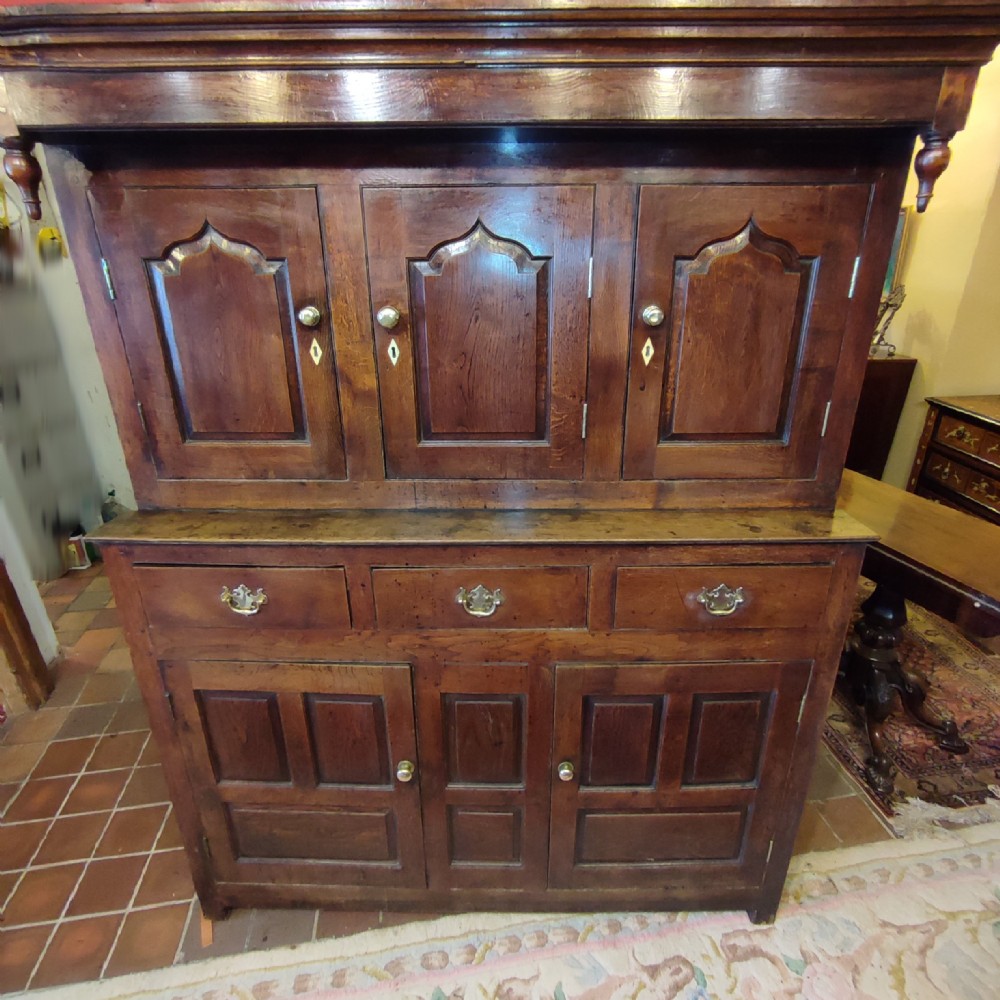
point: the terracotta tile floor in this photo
(92, 879)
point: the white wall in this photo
(61, 293)
(950, 321)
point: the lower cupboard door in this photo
(294, 768)
(670, 774)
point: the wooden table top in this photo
(947, 542)
(986, 407)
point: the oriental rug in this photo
(897, 920)
(965, 685)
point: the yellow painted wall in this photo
(950, 320)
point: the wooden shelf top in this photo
(984, 407)
(369, 527)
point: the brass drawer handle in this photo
(242, 601)
(721, 600)
(479, 602)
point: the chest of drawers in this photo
(958, 457)
(485, 376)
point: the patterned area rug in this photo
(899, 920)
(965, 685)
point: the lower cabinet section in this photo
(490, 776)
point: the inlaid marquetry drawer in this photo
(242, 596)
(670, 598)
(947, 471)
(502, 597)
(984, 490)
(960, 434)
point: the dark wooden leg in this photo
(763, 914)
(874, 674)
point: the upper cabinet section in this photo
(481, 318)
(223, 304)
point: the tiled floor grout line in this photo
(194, 907)
(138, 881)
(111, 814)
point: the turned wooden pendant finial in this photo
(24, 170)
(931, 163)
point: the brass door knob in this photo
(405, 770)
(653, 315)
(387, 317)
(566, 771)
(309, 316)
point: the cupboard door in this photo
(485, 732)
(209, 283)
(740, 304)
(481, 313)
(669, 764)
(294, 769)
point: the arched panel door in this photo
(480, 313)
(210, 284)
(741, 298)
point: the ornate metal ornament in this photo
(721, 600)
(242, 601)
(479, 602)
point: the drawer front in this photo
(947, 471)
(990, 450)
(667, 598)
(960, 434)
(227, 596)
(481, 597)
(984, 490)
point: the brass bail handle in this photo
(241, 600)
(721, 600)
(479, 602)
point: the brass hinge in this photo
(206, 846)
(583, 427)
(142, 418)
(826, 418)
(590, 278)
(106, 269)
(770, 847)
(170, 704)
(854, 277)
(802, 708)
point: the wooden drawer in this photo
(947, 471)
(668, 598)
(960, 434)
(530, 597)
(990, 450)
(984, 490)
(191, 596)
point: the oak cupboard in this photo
(485, 375)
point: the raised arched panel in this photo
(218, 303)
(481, 314)
(209, 282)
(480, 307)
(739, 310)
(741, 299)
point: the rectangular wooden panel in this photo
(667, 598)
(208, 281)
(314, 835)
(738, 318)
(191, 596)
(726, 738)
(621, 739)
(482, 360)
(485, 738)
(963, 435)
(244, 735)
(349, 738)
(530, 597)
(659, 838)
(485, 836)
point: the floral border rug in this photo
(898, 920)
(965, 685)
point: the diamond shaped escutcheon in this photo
(647, 352)
(315, 351)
